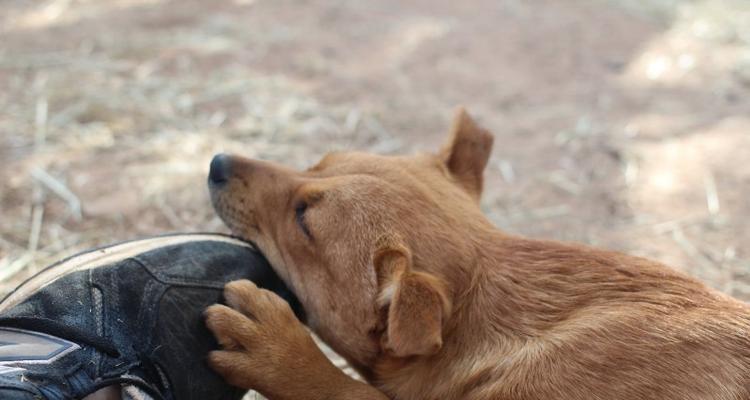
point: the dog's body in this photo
(545, 320)
(400, 272)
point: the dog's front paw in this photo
(261, 338)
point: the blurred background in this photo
(619, 123)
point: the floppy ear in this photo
(467, 151)
(415, 302)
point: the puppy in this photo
(401, 273)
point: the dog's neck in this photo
(486, 294)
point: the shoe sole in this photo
(106, 255)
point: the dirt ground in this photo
(619, 123)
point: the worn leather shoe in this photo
(125, 318)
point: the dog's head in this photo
(371, 245)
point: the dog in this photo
(401, 273)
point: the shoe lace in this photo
(67, 332)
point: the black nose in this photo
(221, 169)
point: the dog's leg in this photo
(265, 348)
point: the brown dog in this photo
(401, 273)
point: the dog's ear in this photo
(467, 152)
(414, 303)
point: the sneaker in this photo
(125, 319)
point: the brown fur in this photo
(404, 276)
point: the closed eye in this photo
(299, 215)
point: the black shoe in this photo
(125, 317)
